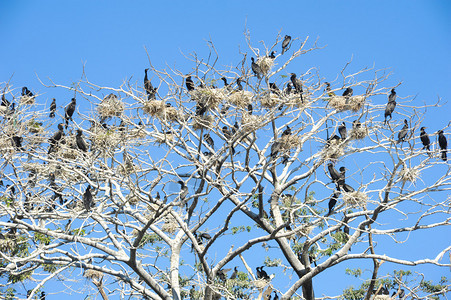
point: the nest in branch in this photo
(111, 106)
(409, 174)
(126, 169)
(250, 122)
(133, 199)
(270, 100)
(138, 133)
(202, 122)
(163, 138)
(261, 283)
(288, 142)
(333, 151)
(355, 198)
(170, 224)
(265, 63)
(6, 144)
(93, 274)
(359, 133)
(170, 114)
(154, 107)
(104, 138)
(35, 127)
(208, 96)
(341, 103)
(27, 100)
(240, 99)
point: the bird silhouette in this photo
(403, 132)
(256, 68)
(443, 143)
(332, 202)
(69, 111)
(286, 43)
(348, 92)
(54, 140)
(342, 130)
(424, 137)
(390, 106)
(209, 140)
(81, 144)
(52, 108)
(234, 274)
(150, 90)
(189, 83)
(287, 131)
(88, 203)
(297, 84)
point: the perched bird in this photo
(297, 84)
(238, 83)
(183, 191)
(201, 108)
(263, 274)
(81, 144)
(226, 84)
(275, 148)
(334, 139)
(276, 297)
(234, 274)
(222, 274)
(26, 92)
(56, 138)
(342, 184)
(334, 174)
(356, 124)
(332, 202)
(272, 55)
(189, 83)
(403, 132)
(424, 137)
(402, 293)
(52, 108)
(348, 92)
(69, 111)
(42, 296)
(443, 143)
(390, 105)
(273, 88)
(287, 131)
(227, 133)
(328, 90)
(235, 128)
(87, 199)
(288, 89)
(150, 90)
(249, 108)
(256, 68)
(17, 143)
(5, 101)
(286, 43)
(209, 140)
(342, 130)
(204, 235)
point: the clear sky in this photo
(55, 39)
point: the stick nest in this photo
(111, 106)
(359, 133)
(208, 96)
(409, 174)
(341, 103)
(202, 122)
(27, 100)
(170, 225)
(163, 138)
(288, 142)
(270, 100)
(104, 139)
(250, 122)
(333, 151)
(93, 274)
(170, 114)
(355, 198)
(240, 99)
(154, 107)
(35, 127)
(261, 283)
(265, 63)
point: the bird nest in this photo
(270, 100)
(111, 106)
(333, 151)
(126, 169)
(288, 142)
(104, 139)
(35, 127)
(27, 100)
(355, 198)
(202, 122)
(154, 107)
(163, 138)
(170, 225)
(261, 283)
(295, 100)
(93, 274)
(341, 103)
(240, 99)
(6, 144)
(265, 63)
(358, 133)
(409, 174)
(169, 113)
(208, 96)
(250, 122)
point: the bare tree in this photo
(167, 188)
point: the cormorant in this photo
(234, 274)
(56, 138)
(443, 143)
(150, 90)
(52, 108)
(334, 174)
(348, 92)
(69, 111)
(42, 296)
(18, 142)
(87, 199)
(287, 131)
(342, 130)
(249, 108)
(334, 138)
(235, 128)
(5, 101)
(390, 105)
(227, 133)
(297, 84)
(26, 92)
(81, 144)
(288, 89)
(256, 68)
(425, 139)
(328, 90)
(201, 108)
(356, 124)
(402, 293)
(273, 88)
(272, 55)
(259, 273)
(209, 140)
(222, 274)
(286, 43)
(238, 83)
(189, 83)
(226, 84)
(275, 148)
(183, 191)
(403, 133)
(332, 202)
(263, 274)
(204, 235)
(276, 297)
(346, 229)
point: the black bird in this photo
(443, 143)
(183, 191)
(26, 92)
(189, 83)
(259, 273)
(297, 84)
(201, 108)
(346, 229)
(87, 199)
(274, 89)
(341, 183)
(390, 105)
(204, 235)
(403, 132)
(42, 296)
(275, 148)
(227, 133)
(286, 43)
(402, 293)
(328, 90)
(287, 131)
(238, 83)
(235, 128)
(256, 68)
(150, 90)
(334, 174)
(272, 55)
(356, 124)
(56, 138)
(334, 139)
(342, 130)
(81, 144)
(288, 89)
(263, 274)
(69, 111)
(234, 274)
(250, 108)
(348, 92)
(222, 274)
(5, 101)
(276, 297)
(52, 108)
(332, 202)
(17, 140)
(209, 140)
(425, 139)
(226, 84)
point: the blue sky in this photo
(55, 39)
